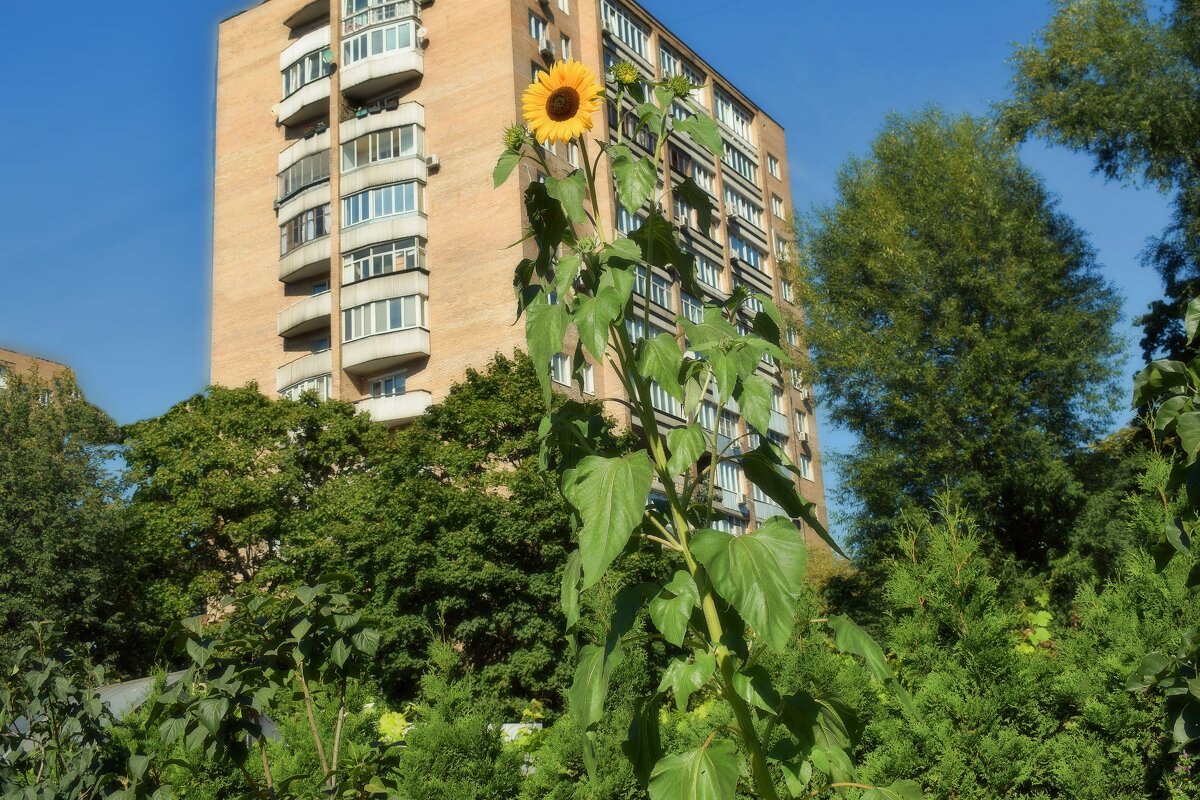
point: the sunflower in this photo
(559, 105)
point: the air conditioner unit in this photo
(609, 26)
(432, 161)
(423, 35)
(803, 436)
(805, 394)
(546, 46)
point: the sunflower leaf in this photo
(570, 191)
(636, 178)
(703, 131)
(504, 167)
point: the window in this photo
(383, 259)
(791, 336)
(729, 478)
(781, 247)
(740, 205)
(639, 281)
(736, 116)
(310, 170)
(381, 146)
(773, 165)
(703, 177)
(708, 272)
(777, 400)
(320, 287)
(320, 384)
(627, 223)
(660, 291)
(739, 162)
(806, 470)
(706, 415)
(752, 303)
(728, 425)
(537, 27)
(388, 385)
(693, 309)
(780, 439)
(636, 329)
(560, 369)
(534, 69)
(670, 62)
(686, 166)
(378, 41)
(382, 316)
(800, 422)
(632, 130)
(573, 154)
(588, 379)
(747, 252)
(385, 201)
(565, 47)
(303, 228)
(3, 376)
(685, 215)
(308, 69)
(789, 296)
(621, 24)
(777, 206)
(663, 401)
(797, 380)
(564, 6)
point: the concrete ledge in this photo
(382, 173)
(318, 39)
(383, 350)
(302, 148)
(379, 73)
(303, 368)
(398, 409)
(308, 101)
(384, 230)
(307, 315)
(306, 261)
(313, 197)
(385, 287)
(406, 114)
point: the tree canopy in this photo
(960, 327)
(1120, 80)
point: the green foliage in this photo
(57, 738)
(222, 478)
(64, 547)
(1119, 80)
(991, 347)
(1001, 719)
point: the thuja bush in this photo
(725, 601)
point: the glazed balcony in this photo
(382, 51)
(379, 14)
(310, 314)
(397, 409)
(309, 260)
(310, 365)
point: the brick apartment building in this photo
(355, 141)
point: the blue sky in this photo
(106, 222)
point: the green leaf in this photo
(709, 773)
(900, 790)
(672, 608)
(686, 445)
(703, 131)
(698, 199)
(366, 641)
(660, 360)
(754, 686)
(1187, 425)
(339, 653)
(565, 272)
(621, 252)
(754, 400)
(1191, 320)
(587, 693)
(1157, 378)
(763, 470)
(643, 744)
(211, 711)
(610, 496)
(138, 765)
(504, 166)
(760, 574)
(659, 242)
(593, 314)
(684, 678)
(197, 651)
(1169, 411)
(849, 638)
(636, 178)
(570, 588)
(570, 191)
(545, 328)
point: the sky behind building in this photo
(106, 221)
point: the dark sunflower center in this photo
(563, 103)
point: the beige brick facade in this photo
(14, 363)
(459, 67)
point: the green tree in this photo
(961, 329)
(456, 531)
(62, 547)
(1120, 80)
(222, 478)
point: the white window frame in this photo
(806, 467)
(564, 46)
(692, 308)
(560, 369)
(372, 146)
(709, 273)
(625, 27)
(777, 206)
(399, 377)
(398, 255)
(741, 206)
(739, 162)
(734, 115)
(374, 42)
(322, 384)
(564, 6)
(537, 26)
(374, 318)
(773, 165)
(378, 202)
(747, 252)
(660, 291)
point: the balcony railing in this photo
(376, 15)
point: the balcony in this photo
(778, 423)
(379, 14)
(310, 314)
(384, 287)
(377, 74)
(308, 14)
(397, 409)
(308, 102)
(306, 261)
(384, 350)
(310, 365)
(384, 229)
